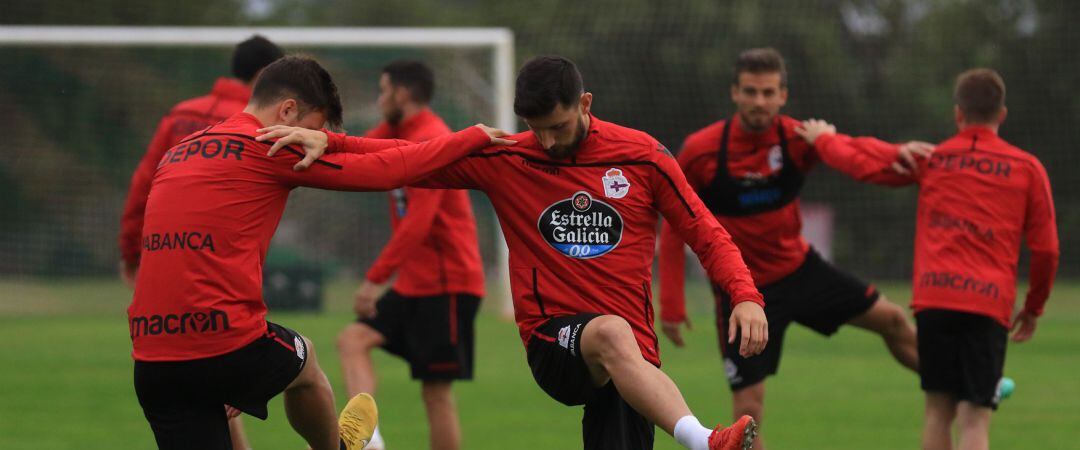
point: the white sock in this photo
(690, 433)
(376, 440)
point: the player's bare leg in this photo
(937, 421)
(750, 401)
(354, 345)
(309, 405)
(611, 353)
(237, 435)
(442, 415)
(972, 426)
(891, 322)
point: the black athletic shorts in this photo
(559, 369)
(184, 401)
(962, 354)
(816, 295)
(436, 335)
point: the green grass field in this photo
(66, 382)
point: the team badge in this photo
(564, 337)
(615, 184)
(776, 158)
(581, 227)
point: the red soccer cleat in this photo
(739, 436)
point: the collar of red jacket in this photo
(239, 123)
(231, 88)
(421, 118)
(978, 131)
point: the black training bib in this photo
(728, 196)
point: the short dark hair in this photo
(252, 55)
(301, 78)
(544, 82)
(414, 76)
(980, 94)
(759, 61)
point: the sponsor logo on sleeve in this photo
(581, 227)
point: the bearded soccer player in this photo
(228, 97)
(978, 197)
(578, 200)
(198, 322)
(749, 170)
(427, 317)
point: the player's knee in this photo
(612, 334)
(437, 393)
(749, 401)
(355, 338)
(897, 321)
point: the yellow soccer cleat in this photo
(357, 421)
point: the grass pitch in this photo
(67, 381)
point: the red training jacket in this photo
(434, 249)
(228, 97)
(215, 203)
(581, 231)
(978, 197)
(771, 242)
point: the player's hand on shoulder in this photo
(749, 323)
(314, 142)
(674, 332)
(811, 129)
(496, 135)
(909, 154)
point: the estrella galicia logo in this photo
(581, 227)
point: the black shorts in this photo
(184, 401)
(436, 335)
(559, 370)
(817, 295)
(962, 354)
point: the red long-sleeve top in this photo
(979, 197)
(581, 231)
(434, 249)
(228, 97)
(771, 242)
(215, 203)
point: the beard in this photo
(564, 151)
(756, 120)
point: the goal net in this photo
(81, 104)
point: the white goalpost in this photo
(496, 43)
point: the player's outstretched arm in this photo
(347, 169)
(722, 260)
(864, 158)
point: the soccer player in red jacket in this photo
(427, 317)
(749, 171)
(228, 97)
(578, 200)
(198, 321)
(978, 197)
